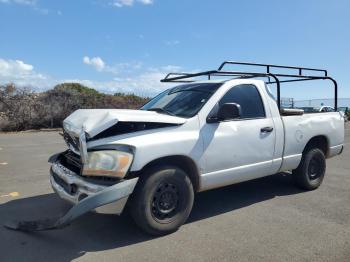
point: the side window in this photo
(248, 97)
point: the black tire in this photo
(311, 170)
(162, 200)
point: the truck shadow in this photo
(96, 232)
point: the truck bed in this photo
(299, 129)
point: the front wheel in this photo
(162, 200)
(311, 170)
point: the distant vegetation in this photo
(22, 109)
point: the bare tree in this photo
(22, 109)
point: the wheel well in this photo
(320, 142)
(183, 162)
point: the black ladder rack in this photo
(299, 74)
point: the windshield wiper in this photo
(161, 110)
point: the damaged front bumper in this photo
(73, 188)
(84, 195)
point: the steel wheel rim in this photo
(165, 202)
(314, 169)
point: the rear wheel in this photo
(311, 170)
(162, 200)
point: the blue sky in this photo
(128, 45)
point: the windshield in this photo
(182, 101)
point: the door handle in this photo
(267, 129)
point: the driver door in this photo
(239, 149)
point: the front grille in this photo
(71, 141)
(71, 161)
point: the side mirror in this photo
(229, 111)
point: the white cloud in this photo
(146, 83)
(24, 75)
(133, 78)
(101, 66)
(14, 66)
(146, 2)
(31, 3)
(17, 71)
(96, 62)
(130, 77)
(122, 3)
(20, 2)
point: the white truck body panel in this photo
(94, 121)
(225, 152)
(157, 143)
(300, 129)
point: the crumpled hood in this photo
(94, 121)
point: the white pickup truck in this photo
(193, 137)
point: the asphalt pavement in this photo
(266, 219)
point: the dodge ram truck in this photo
(193, 137)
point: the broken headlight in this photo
(111, 163)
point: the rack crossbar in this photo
(301, 76)
(271, 66)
